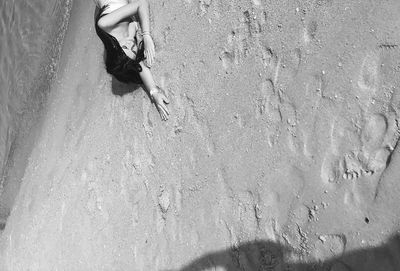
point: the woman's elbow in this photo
(142, 3)
(103, 24)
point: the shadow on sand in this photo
(120, 89)
(269, 256)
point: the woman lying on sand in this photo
(126, 58)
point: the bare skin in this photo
(120, 25)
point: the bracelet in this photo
(153, 91)
(146, 33)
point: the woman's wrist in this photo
(153, 91)
(146, 33)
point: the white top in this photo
(112, 4)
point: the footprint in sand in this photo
(267, 106)
(368, 76)
(228, 60)
(310, 31)
(353, 167)
(374, 153)
(379, 138)
(393, 132)
(269, 58)
(237, 46)
(293, 135)
(378, 132)
(379, 158)
(385, 122)
(332, 168)
(232, 53)
(282, 118)
(265, 102)
(341, 159)
(246, 35)
(374, 132)
(287, 66)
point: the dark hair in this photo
(117, 62)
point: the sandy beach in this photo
(281, 152)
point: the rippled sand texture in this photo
(31, 33)
(281, 152)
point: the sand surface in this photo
(281, 152)
(32, 38)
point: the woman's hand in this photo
(161, 102)
(149, 51)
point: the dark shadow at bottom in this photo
(270, 256)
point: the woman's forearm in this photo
(147, 78)
(140, 7)
(144, 16)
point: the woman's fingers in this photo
(163, 115)
(166, 116)
(163, 111)
(161, 103)
(164, 108)
(166, 100)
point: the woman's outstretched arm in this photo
(156, 95)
